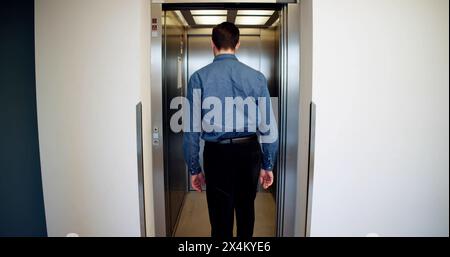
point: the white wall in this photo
(381, 84)
(92, 62)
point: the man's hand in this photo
(197, 181)
(266, 178)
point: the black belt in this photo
(238, 140)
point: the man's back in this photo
(226, 76)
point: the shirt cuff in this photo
(268, 167)
(195, 171)
(267, 163)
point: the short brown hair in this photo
(225, 35)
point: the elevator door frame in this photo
(291, 218)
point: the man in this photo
(233, 158)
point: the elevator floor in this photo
(194, 220)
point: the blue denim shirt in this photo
(227, 77)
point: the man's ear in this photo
(213, 46)
(237, 46)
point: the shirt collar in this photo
(224, 56)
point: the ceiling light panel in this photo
(209, 20)
(255, 12)
(209, 12)
(251, 20)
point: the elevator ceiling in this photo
(248, 16)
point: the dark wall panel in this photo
(21, 198)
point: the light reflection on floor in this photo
(194, 220)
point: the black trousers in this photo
(231, 173)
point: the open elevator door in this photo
(169, 53)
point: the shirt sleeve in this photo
(192, 131)
(267, 128)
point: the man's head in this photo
(225, 38)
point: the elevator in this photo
(181, 45)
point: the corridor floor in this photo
(194, 220)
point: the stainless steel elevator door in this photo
(175, 169)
